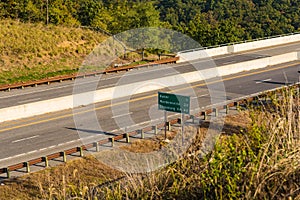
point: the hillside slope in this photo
(34, 51)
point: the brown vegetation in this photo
(34, 51)
(256, 157)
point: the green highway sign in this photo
(174, 103)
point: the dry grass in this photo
(85, 175)
(34, 51)
(149, 145)
(74, 179)
(256, 157)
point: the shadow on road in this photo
(274, 82)
(91, 131)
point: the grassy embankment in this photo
(257, 157)
(35, 51)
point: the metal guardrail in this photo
(80, 149)
(8, 87)
(239, 42)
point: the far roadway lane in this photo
(43, 92)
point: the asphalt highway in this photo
(43, 92)
(28, 138)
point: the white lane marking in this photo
(262, 81)
(172, 73)
(203, 95)
(228, 62)
(29, 100)
(260, 56)
(122, 115)
(30, 152)
(28, 138)
(104, 86)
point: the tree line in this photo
(209, 22)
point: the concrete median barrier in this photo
(287, 57)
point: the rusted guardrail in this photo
(8, 87)
(213, 109)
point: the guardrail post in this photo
(256, 100)
(7, 172)
(265, 98)
(193, 118)
(112, 140)
(96, 144)
(215, 110)
(80, 151)
(168, 124)
(127, 138)
(204, 115)
(26, 164)
(63, 154)
(45, 159)
(142, 133)
(237, 105)
(154, 128)
(226, 107)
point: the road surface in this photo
(24, 139)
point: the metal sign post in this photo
(182, 127)
(166, 120)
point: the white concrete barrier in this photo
(202, 53)
(244, 66)
(236, 48)
(287, 57)
(265, 43)
(36, 108)
(67, 102)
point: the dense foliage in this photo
(208, 21)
